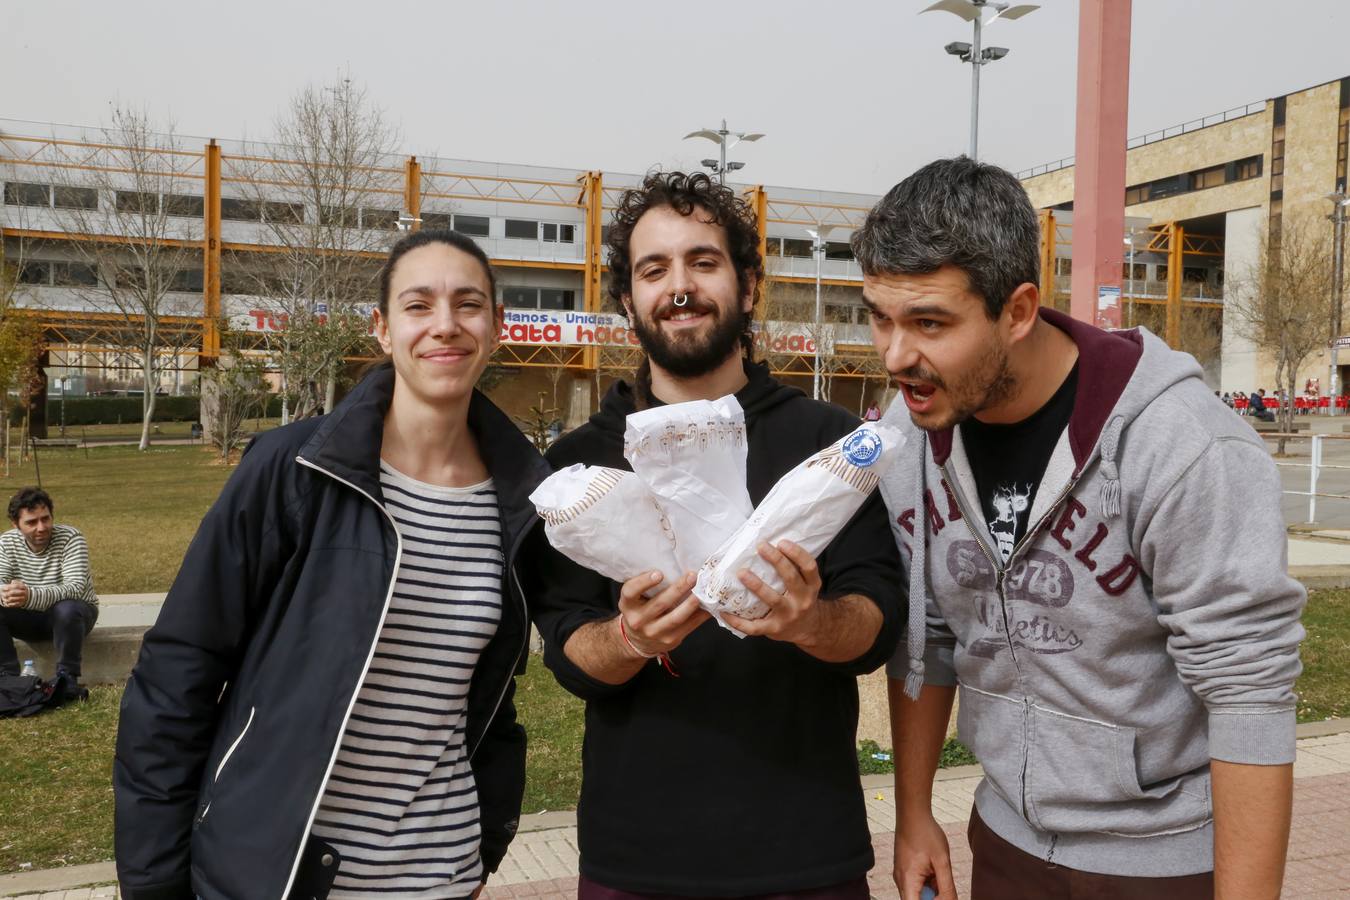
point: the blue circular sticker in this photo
(862, 448)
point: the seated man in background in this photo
(46, 589)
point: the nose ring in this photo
(680, 300)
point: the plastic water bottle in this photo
(29, 668)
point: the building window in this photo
(558, 234)
(68, 197)
(838, 250)
(35, 271)
(187, 281)
(523, 229)
(130, 278)
(341, 216)
(379, 219)
(1063, 265)
(438, 221)
(1208, 178)
(773, 246)
(1140, 271)
(141, 204)
(799, 248)
(515, 297)
(18, 193)
(555, 298)
(1137, 194)
(473, 226)
(73, 274)
(1342, 146)
(1160, 272)
(184, 205)
(284, 213)
(1277, 155)
(1247, 168)
(1195, 274)
(236, 210)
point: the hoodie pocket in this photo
(993, 727)
(1081, 776)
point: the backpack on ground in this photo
(28, 695)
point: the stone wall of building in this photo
(1311, 120)
(1247, 136)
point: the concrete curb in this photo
(1321, 577)
(64, 879)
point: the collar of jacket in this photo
(348, 445)
(1106, 362)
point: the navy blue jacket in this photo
(232, 717)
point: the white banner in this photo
(571, 328)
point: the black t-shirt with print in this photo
(1009, 461)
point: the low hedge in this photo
(114, 410)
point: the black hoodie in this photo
(740, 776)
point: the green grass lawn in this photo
(137, 510)
(56, 790)
(56, 784)
(1324, 688)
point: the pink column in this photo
(1099, 164)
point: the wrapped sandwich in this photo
(808, 506)
(606, 520)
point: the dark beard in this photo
(692, 356)
(989, 388)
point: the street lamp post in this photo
(975, 53)
(819, 234)
(724, 140)
(1340, 201)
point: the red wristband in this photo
(623, 633)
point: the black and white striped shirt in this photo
(61, 572)
(401, 805)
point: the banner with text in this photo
(571, 328)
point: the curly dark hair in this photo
(684, 193)
(29, 498)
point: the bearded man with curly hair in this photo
(716, 766)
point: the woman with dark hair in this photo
(324, 707)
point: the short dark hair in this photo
(415, 239)
(684, 193)
(29, 498)
(958, 212)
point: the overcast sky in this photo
(852, 94)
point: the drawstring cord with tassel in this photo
(1110, 492)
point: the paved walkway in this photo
(542, 862)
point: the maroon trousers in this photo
(1003, 872)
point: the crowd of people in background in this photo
(1263, 405)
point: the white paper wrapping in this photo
(691, 456)
(809, 506)
(606, 520)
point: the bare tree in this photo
(20, 343)
(329, 202)
(126, 211)
(235, 389)
(1281, 303)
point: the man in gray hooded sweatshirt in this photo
(1100, 547)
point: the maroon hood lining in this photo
(1106, 362)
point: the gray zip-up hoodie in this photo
(1143, 626)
